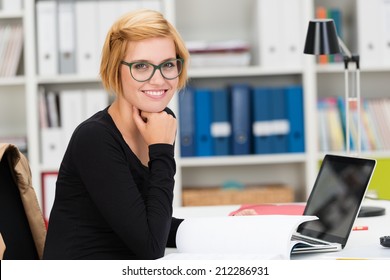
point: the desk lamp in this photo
(322, 39)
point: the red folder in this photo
(269, 209)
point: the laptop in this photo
(335, 199)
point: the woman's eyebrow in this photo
(148, 61)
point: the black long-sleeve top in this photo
(108, 205)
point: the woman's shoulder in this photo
(97, 133)
(97, 125)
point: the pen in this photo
(360, 228)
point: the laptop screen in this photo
(336, 197)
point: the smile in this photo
(154, 93)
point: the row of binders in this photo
(60, 113)
(241, 119)
(374, 124)
(373, 29)
(11, 46)
(71, 33)
(280, 27)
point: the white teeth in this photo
(154, 92)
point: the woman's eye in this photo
(169, 65)
(141, 66)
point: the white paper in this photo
(266, 236)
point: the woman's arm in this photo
(142, 224)
(172, 233)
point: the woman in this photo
(115, 185)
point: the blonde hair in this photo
(136, 26)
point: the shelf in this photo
(12, 81)
(68, 79)
(339, 68)
(364, 154)
(11, 15)
(240, 71)
(242, 160)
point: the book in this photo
(241, 119)
(322, 13)
(71, 112)
(291, 32)
(5, 35)
(322, 126)
(66, 36)
(372, 125)
(261, 120)
(370, 29)
(244, 237)
(203, 120)
(47, 37)
(87, 51)
(16, 52)
(336, 15)
(295, 116)
(187, 122)
(221, 130)
(335, 130)
(270, 40)
(280, 121)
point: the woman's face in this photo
(154, 94)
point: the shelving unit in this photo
(330, 82)
(13, 104)
(19, 95)
(241, 20)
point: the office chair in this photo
(2, 247)
(22, 224)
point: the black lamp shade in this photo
(321, 38)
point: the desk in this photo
(361, 243)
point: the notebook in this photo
(335, 199)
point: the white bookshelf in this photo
(239, 20)
(13, 103)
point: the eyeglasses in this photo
(143, 71)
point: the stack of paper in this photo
(219, 54)
(11, 45)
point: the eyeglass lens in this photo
(143, 71)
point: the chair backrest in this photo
(2, 247)
(21, 221)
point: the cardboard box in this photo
(201, 196)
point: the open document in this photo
(237, 237)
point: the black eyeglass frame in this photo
(155, 67)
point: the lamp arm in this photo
(344, 48)
(348, 56)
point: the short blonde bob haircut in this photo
(136, 26)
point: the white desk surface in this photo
(361, 243)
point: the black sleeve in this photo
(175, 222)
(143, 225)
(172, 233)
